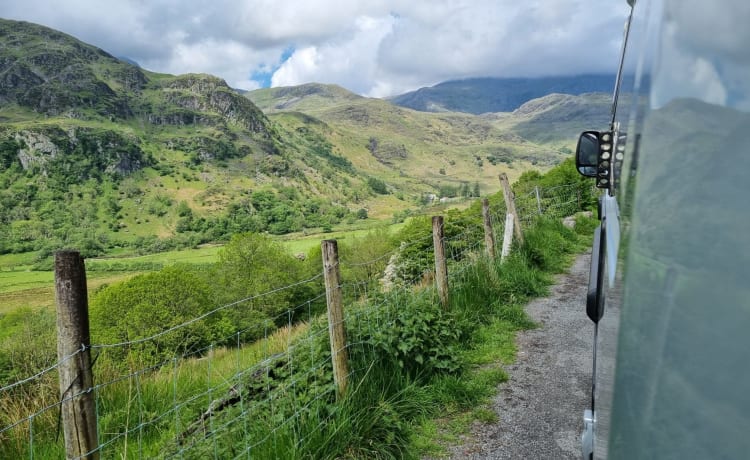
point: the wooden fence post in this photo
(77, 410)
(441, 266)
(489, 236)
(510, 205)
(507, 236)
(538, 199)
(336, 329)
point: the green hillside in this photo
(407, 148)
(310, 96)
(97, 153)
(101, 155)
(557, 119)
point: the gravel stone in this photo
(540, 407)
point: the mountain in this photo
(408, 148)
(483, 95)
(45, 72)
(310, 96)
(99, 154)
(556, 118)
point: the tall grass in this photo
(410, 360)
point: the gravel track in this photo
(540, 407)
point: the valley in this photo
(101, 154)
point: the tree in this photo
(184, 210)
(254, 267)
(377, 186)
(151, 304)
(464, 190)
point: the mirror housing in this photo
(587, 153)
(596, 156)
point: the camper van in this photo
(669, 287)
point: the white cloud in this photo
(215, 57)
(350, 60)
(374, 47)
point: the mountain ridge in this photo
(98, 153)
(488, 94)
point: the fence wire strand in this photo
(304, 354)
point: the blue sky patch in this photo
(264, 74)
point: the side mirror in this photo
(587, 153)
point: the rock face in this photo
(37, 149)
(206, 93)
(55, 75)
(101, 151)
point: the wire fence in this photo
(235, 399)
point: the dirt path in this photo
(540, 408)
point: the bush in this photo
(150, 305)
(548, 245)
(377, 186)
(421, 339)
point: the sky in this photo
(376, 48)
(703, 54)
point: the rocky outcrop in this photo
(182, 118)
(104, 151)
(36, 149)
(53, 73)
(206, 93)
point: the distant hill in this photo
(556, 118)
(310, 96)
(405, 146)
(483, 95)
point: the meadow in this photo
(238, 373)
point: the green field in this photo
(21, 286)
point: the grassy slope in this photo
(407, 417)
(413, 146)
(557, 119)
(363, 427)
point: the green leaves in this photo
(420, 338)
(150, 305)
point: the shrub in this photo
(548, 245)
(377, 186)
(151, 304)
(420, 337)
